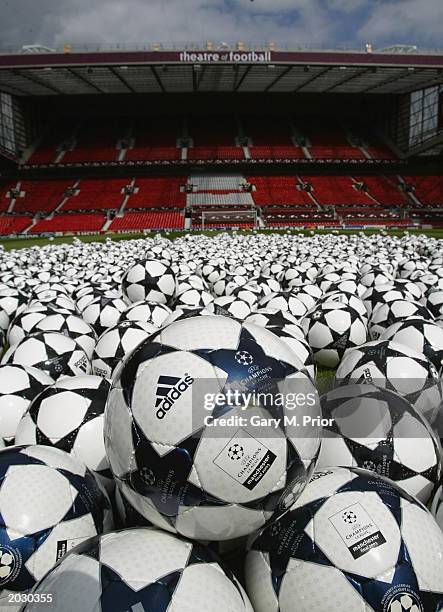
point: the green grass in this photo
(19, 243)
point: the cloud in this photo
(405, 21)
(294, 22)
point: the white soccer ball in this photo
(380, 431)
(331, 328)
(72, 326)
(49, 503)
(161, 423)
(51, 352)
(395, 367)
(103, 312)
(352, 541)
(420, 335)
(150, 280)
(19, 385)
(286, 302)
(386, 314)
(117, 342)
(69, 416)
(142, 569)
(24, 322)
(146, 312)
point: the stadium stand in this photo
(325, 140)
(148, 220)
(160, 201)
(94, 141)
(270, 137)
(201, 137)
(13, 224)
(427, 189)
(155, 138)
(213, 138)
(158, 192)
(70, 223)
(96, 194)
(40, 196)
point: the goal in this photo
(231, 219)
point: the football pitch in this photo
(19, 243)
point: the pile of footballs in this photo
(123, 488)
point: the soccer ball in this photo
(149, 280)
(331, 328)
(395, 367)
(103, 312)
(58, 301)
(380, 294)
(69, 415)
(72, 326)
(24, 322)
(193, 298)
(49, 503)
(385, 315)
(347, 298)
(375, 277)
(115, 343)
(87, 298)
(146, 312)
(11, 300)
(286, 302)
(230, 306)
(19, 385)
(51, 352)
(308, 294)
(142, 569)
(276, 319)
(353, 540)
(212, 271)
(420, 335)
(161, 425)
(380, 431)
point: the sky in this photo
(314, 23)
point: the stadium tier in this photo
(137, 203)
(78, 141)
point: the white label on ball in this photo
(64, 546)
(245, 459)
(357, 530)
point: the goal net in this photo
(228, 219)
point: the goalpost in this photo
(231, 219)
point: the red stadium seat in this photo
(70, 223)
(148, 220)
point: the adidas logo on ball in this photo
(169, 390)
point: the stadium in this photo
(221, 309)
(158, 139)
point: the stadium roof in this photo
(124, 72)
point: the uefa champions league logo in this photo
(369, 465)
(349, 517)
(147, 476)
(403, 602)
(236, 452)
(275, 529)
(244, 358)
(10, 564)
